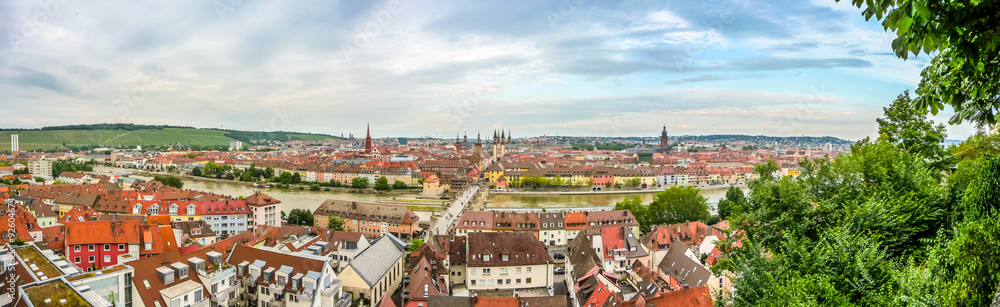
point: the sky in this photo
(439, 68)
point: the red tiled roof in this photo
(258, 199)
(94, 232)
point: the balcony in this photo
(224, 294)
(406, 280)
(276, 289)
(275, 303)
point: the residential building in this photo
(226, 217)
(507, 260)
(684, 272)
(113, 283)
(370, 219)
(40, 168)
(264, 210)
(270, 278)
(376, 271)
(193, 232)
(553, 228)
(94, 245)
(474, 221)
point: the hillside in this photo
(128, 135)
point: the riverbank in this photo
(300, 187)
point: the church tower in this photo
(479, 145)
(664, 143)
(368, 141)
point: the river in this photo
(310, 200)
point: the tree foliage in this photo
(359, 182)
(415, 245)
(300, 217)
(732, 201)
(911, 130)
(869, 228)
(335, 223)
(382, 184)
(674, 205)
(170, 181)
(964, 36)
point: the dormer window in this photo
(505, 257)
(486, 257)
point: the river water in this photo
(310, 200)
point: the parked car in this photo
(560, 271)
(559, 256)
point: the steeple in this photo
(508, 136)
(368, 140)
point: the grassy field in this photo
(49, 139)
(31, 140)
(172, 136)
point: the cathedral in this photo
(502, 145)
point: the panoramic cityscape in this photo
(548, 153)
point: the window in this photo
(517, 281)
(76, 248)
(173, 209)
(485, 257)
(107, 247)
(76, 259)
(518, 270)
(527, 269)
(503, 270)
(90, 247)
(505, 257)
(499, 282)
(121, 247)
(508, 281)
(527, 280)
(486, 271)
(107, 259)
(91, 258)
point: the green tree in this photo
(335, 183)
(39, 179)
(415, 245)
(300, 217)
(296, 178)
(268, 172)
(911, 130)
(19, 242)
(963, 37)
(359, 182)
(966, 269)
(632, 182)
(853, 231)
(639, 210)
(170, 181)
(196, 172)
(673, 205)
(732, 201)
(398, 185)
(382, 184)
(678, 204)
(335, 223)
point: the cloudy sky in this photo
(419, 68)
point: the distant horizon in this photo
(374, 136)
